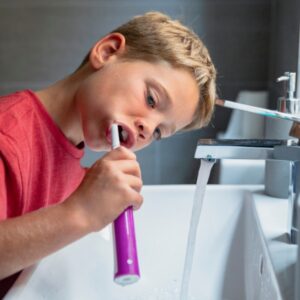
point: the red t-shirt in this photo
(39, 166)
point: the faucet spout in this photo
(237, 148)
(288, 150)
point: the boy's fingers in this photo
(129, 167)
(136, 200)
(134, 182)
(131, 191)
(119, 154)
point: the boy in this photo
(153, 77)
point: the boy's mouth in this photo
(123, 134)
(126, 136)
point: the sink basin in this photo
(231, 260)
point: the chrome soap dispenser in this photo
(278, 174)
(287, 103)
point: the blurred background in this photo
(251, 42)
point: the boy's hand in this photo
(111, 185)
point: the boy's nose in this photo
(144, 130)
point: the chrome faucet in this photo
(288, 150)
(265, 149)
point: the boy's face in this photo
(148, 100)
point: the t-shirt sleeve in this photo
(10, 183)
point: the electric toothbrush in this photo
(126, 258)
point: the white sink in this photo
(231, 259)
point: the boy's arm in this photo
(111, 185)
(26, 239)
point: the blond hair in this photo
(154, 37)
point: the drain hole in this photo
(261, 265)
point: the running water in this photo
(203, 175)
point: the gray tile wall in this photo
(42, 41)
(284, 56)
(284, 43)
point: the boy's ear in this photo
(109, 47)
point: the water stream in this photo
(203, 175)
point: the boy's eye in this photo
(157, 134)
(150, 101)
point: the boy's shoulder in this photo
(20, 98)
(13, 109)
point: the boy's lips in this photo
(127, 138)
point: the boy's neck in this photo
(59, 101)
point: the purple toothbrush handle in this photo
(126, 258)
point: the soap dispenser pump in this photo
(288, 103)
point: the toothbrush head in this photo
(115, 139)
